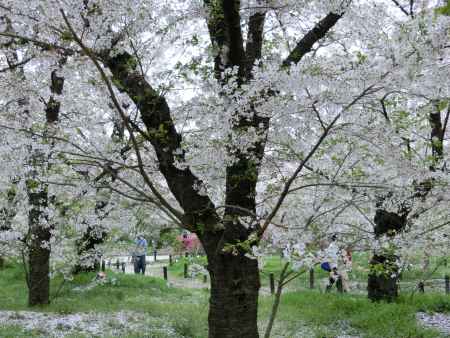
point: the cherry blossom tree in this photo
(233, 113)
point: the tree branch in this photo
(253, 48)
(305, 45)
(313, 150)
(402, 8)
(224, 25)
(124, 117)
(42, 44)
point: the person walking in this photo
(139, 254)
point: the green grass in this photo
(186, 310)
(177, 268)
(356, 313)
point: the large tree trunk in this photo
(39, 278)
(383, 278)
(382, 283)
(233, 305)
(39, 251)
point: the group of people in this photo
(338, 263)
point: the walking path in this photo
(155, 269)
(437, 321)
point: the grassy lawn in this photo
(177, 268)
(306, 313)
(185, 310)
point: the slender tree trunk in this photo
(39, 230)
(233, 309)
(274, 312)
(276, 303)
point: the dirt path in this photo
(156, 270)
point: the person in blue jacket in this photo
(139, 254)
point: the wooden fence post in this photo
(339, 285)
(165, 272)
(311, 278)
(272, 283)
(447, 284)
(185, 270)
(421, 287)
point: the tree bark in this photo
(39, 234)
(233, 304)
(383, 285)
(7, 214)
(39, 250)
(382, 282)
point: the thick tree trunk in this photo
(39, 251)
(383, 278)
(233, 309)
(382, 282)
(39, 274)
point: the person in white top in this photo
(331, 257)
(340, 263)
